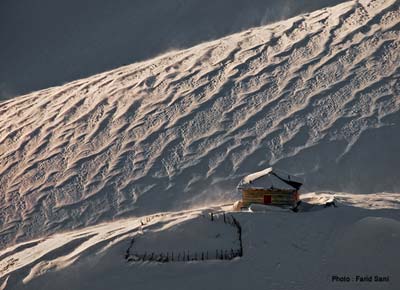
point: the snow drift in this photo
(282, 250)
(316, 95)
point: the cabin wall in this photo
(269, 196)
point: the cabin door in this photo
(267, 199)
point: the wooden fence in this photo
(187, 255)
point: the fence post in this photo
(239, 228)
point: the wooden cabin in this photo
(269, 187)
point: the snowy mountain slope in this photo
(68, 40)
(316, 95)
(282, 250)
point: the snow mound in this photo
(303, 250)
(317, 95)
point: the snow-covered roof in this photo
(251, 177)
(277, 179)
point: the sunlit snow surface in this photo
(284, 250)
(316, 95)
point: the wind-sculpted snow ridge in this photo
(302, 250)
(316, 95)
(32, 259)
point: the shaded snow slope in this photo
(316, 95)
(282, 250)
(49, 42)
